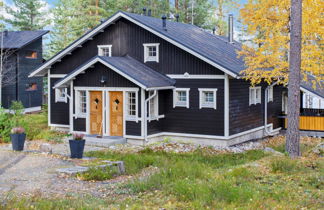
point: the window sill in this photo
(180, 105)
(134, 119)
(61, 100)
(80, 116)
(156, 118)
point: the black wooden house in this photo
(21, 54)
(145, 79)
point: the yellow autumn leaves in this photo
(267, 22)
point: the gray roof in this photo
(308, 85)
(19, 39)
(213, 47)
(129, 67)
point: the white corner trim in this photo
(73, 75)
(195, 76)
(226, 105)
(201, 103)
(111, 21)
(148, 58)
(175, 100)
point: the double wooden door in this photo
(116, 105)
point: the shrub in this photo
(283, 165)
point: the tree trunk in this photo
(293, 135)
(176, 4)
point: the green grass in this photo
(199, 180)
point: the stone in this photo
(270, 150)
(73, 170)
(46, 148)
(319, 149)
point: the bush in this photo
(283, 165)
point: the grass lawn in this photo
(202, 180)
(36, 127)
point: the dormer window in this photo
(104, 50)
(151, 52)
(31, 54)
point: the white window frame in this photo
(155, 101)
(270, 94)
(78, 108)
(101, 47)
(253, 99)
(148, 58)
(58, 93)
(203, 104)
(176, 102)
(128, 116)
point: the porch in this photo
(311, 120)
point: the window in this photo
(153, 107)
(131, 105)
(31, 54)
(207, 98)
(60, 95)
(181, 97)
(255, 95)
(270, 93)
(104, 50)
(31, 87)
(81, 103)
(151, 52)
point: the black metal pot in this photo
(18, 141)
(77, 148)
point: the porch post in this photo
(71, 106)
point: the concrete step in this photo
(105, 141)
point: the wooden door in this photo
(96, 112)
(116, 113)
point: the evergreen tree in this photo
(2, 25)
(28, 15)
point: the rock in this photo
(46, 148)
(73, 170)
(319, 149)
(270, 150)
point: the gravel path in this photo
(29, 173)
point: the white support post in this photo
(226, 106)
(71, 107)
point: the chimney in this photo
(144, 11)
(102, 20)
(177, 17)
(214, 30)
(164, 22)
(5, 32)
(149, 13)
(230, 29)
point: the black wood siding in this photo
(20, 69)
(133, 128)
(128, 38)
(59, 110)
(242, 116)
(206, 121)
(79, 124)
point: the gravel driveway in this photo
(29, 173)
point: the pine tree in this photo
(28, 15)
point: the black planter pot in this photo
(76, 148)
(18, 141)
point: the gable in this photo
(87, 37)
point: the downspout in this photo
(269, 133)
(145, 114)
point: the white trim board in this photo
(195, 76)
(57, 75)
(311, 93)
(111, 21)
(208, 136)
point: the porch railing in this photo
(311, 120)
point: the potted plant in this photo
(18, 137)
(77, 145)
